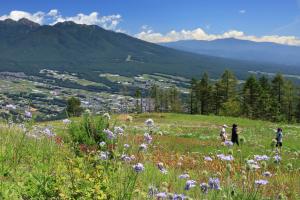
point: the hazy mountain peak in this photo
(241, 49)
(22, 21)
(66, 23)
(27, 22)
(8, 21)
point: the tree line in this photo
(274, 99)
(159, 99)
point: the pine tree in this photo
(175, 102)
(289, 100)
(297, 111)
(250, 95)
(74, 107)
(216, 98)
(154, 95)
(193, 97)
(265, 100)
(204, 94)
(228, 84)
(277, 91)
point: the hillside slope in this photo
(89, 50)
(242, 49)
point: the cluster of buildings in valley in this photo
(20, 94)
(46, 94)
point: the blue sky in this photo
(159, 17)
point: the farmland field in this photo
(181, 158)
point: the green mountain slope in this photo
(88, 50)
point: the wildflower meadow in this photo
(151, 156)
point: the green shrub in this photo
(88, 130)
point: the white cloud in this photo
(53, 13)
(107, 22)
(37, 17)
(242, 11)
(53, 16)
(200, 34)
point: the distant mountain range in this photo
(90, 50)
(242, 49)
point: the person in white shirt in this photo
(223, 134)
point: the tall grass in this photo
(48, 168)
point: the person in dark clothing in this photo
(279, 139)
(234, 136)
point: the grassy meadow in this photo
(182, 157)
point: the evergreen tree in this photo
(250, 95)
(297, 111)
(193, 97)
(227, 89)
(74, 107)
(289, 100)
(228, 83)
(154, 95)
(265, 100)
(217, 99)
(277, 92)
(264, 83)
(175, 102)
(204, 91)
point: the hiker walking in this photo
(279, 139)
(223, 134)
(234, 135)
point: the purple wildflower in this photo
(125, 158)
(118, 130)
(207, 158)
(184, 176)
(161, 195)
(179, 197)
(261, 182)
(149, 122)
(110, 135)
(228, 143)
(139, 167)
(147, 138)
(126, 146)
(190, 184)
(261, 157)
(28, 114)
(214, 183)
(224, 157)
(102, 144)
(277, 158)
(161, 168)
(143, 147)
(48, 132)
